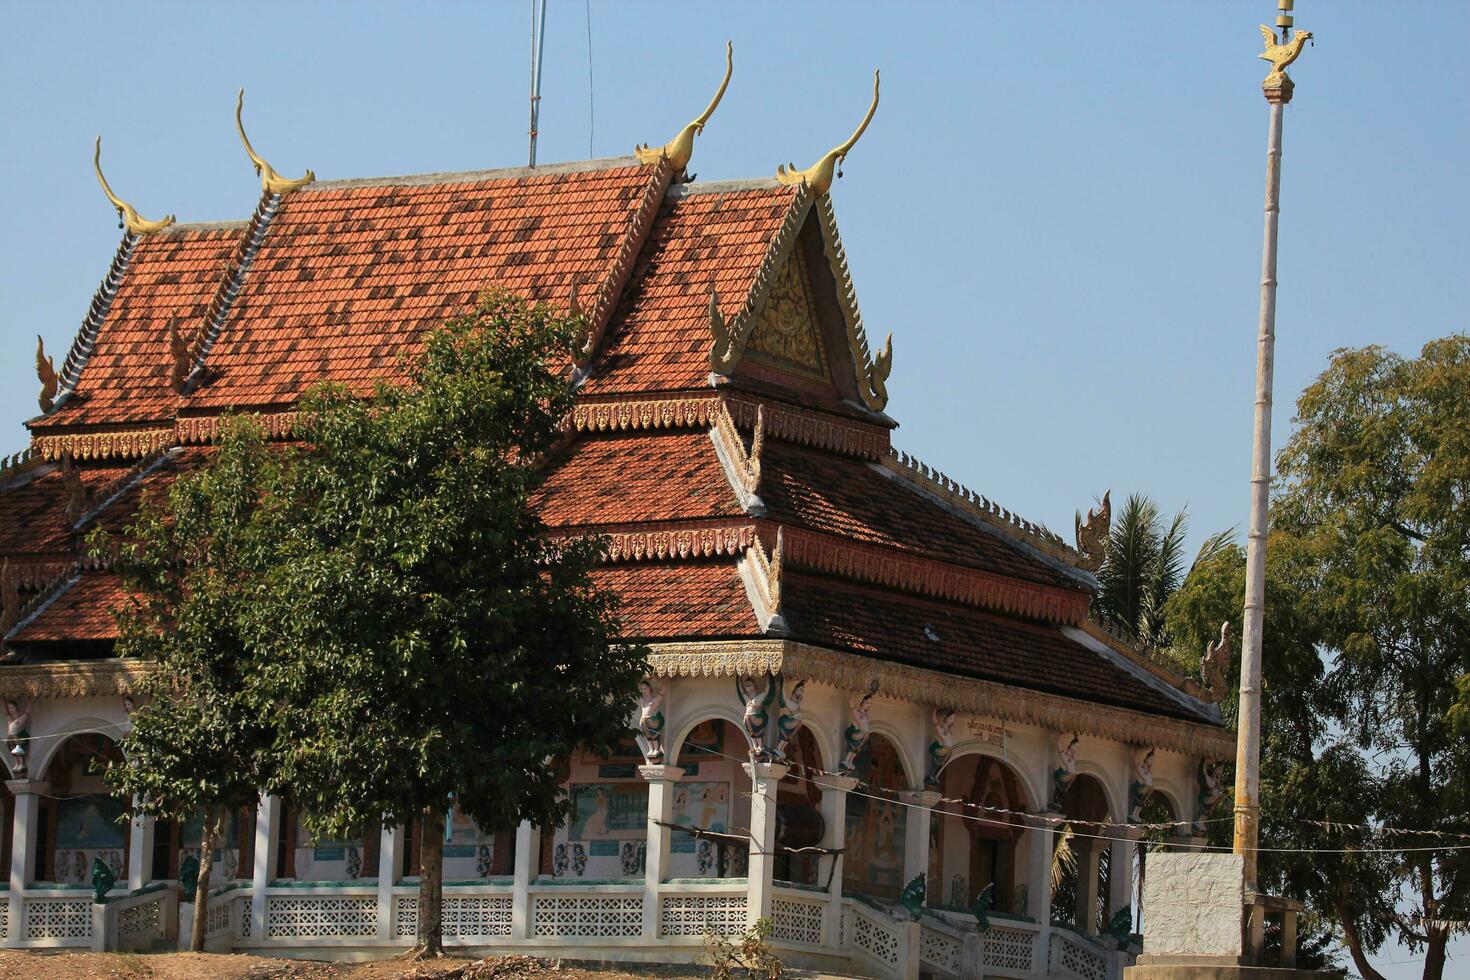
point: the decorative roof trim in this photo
(54, 590)
(474, 176)
(762, 577)
(639, 227)
(17, 464)
(37, 574)
(978, 506)
(230, 285)
(932, 577)
(676, 412)
(124, 444)
(680, 150)
(1088, 635)
(746, 468)
(1115, 637)
(86, 338)
(872, 371)
(104, 495)
(730, 335)
(199, 429)
(670, 543)
(852, 672)
(76, 679)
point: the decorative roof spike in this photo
(878, 372)
(132, 221)
(774, 578)
(722, 354)
(1092, 533)
(583, 340)
(757, 442)
(680, 150)
(270, 181)
(76, 490)
(180, 360)
(819, 175)
(46, 374)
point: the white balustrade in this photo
(796, 916)
(614, 913)
(941, 947)
(696, 914)
(51, 918)
(1077, 957)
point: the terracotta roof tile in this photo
(81, 613)
(680, 600)
(348, 278)
(961, 640)
(622, 479)
(33, 512)
(126, 379)
(660, 339)
(849, 497)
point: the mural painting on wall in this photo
(705, 741)
(703, 805)
(875, 827)
(325, 858)
(463, 840)
(87, 827)
(602, 815)
(226, 851)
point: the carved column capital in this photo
(839, 784)
(661, 774)
(926, 798)
(37, 787)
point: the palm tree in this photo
(1143, 565)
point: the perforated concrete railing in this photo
(219, 920)
(4, 917)
(877, 938)
(796, 917)
(599, 915)
(58, 921)
(941, 948)
(696, 915)
(140, 919)
(321, 916)
(1010, 951)
(1075, 957)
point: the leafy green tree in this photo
(1368, 626)
(1143, 565)
(199, 742)
(423, 639)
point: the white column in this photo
(834, 819)
(1038, 892)
(140, 850)
(763, 779)
(661, 780)
(1088, 852)
(267, 843)
(390, 859)
(528, 855)
(1120, 871)
(919, 815)
(27, 793)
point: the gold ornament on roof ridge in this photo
(46, 374)
(1281, 54)
(135, 223)
(819, 175)
(270, 181)
(680, 150)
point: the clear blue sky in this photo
(1057, 210)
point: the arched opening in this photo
(980, 845)
(714, 795)
(1158, 808)
(876, 823)
(81, 820)
(799, 821)
(1080, 859)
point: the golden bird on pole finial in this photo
(1281, 54)
(135, 223)
(819, 175)
(270, 181)
(680, 150)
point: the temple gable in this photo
(786, 331)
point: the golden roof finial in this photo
(680, 149)
(135, 223)
(46, 374)
(270, 181)
(819, 175)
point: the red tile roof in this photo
(33, 511)
(83, 612)
(680, 600)
(659, 339)
(851, 498)
(961, 640)
(349, 277)
(170, 275)
(637, 477)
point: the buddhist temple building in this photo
(878, 696)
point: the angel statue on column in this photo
(651, 719)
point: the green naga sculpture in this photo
(983, 902)
(1120, 926)
(102, 880)
(189, 876)
(912, 897)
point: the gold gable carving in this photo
(786, 330)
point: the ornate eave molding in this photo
(872, 371)
(199, 429)
(744, 465)
(36, 573)
(601, 312)
(671, 543)
(932, 577)
(914, 684)
(125, 444)
(677, 412)
(76, 679)
(1121, 645)
(731, 334)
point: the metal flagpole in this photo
(1277, 88)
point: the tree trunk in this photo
(1355, 942)
(1435, 955)
(213, 818)
(431, 883)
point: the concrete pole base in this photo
(1213, 968)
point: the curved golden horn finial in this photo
(819, 175)
(270, 181)
(135, 223)
(680, 149)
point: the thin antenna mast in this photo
(538, 46)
